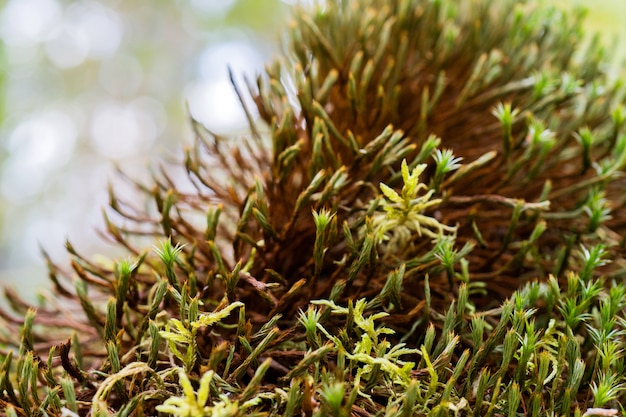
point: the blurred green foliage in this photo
(257, 15)
(605, 17)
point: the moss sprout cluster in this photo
(426, 218)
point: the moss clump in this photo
(425, 219)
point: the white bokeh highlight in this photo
(37, 147)
(29, 21)
(212, 98)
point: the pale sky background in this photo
(88, 84)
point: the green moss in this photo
(426, 218)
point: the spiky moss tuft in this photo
(425, 219)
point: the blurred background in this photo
(90, 84)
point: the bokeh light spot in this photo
(37, 147)
(29, 21)
(68, 47)
(102, 27)
(121, 130)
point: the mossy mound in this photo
(425, 219)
